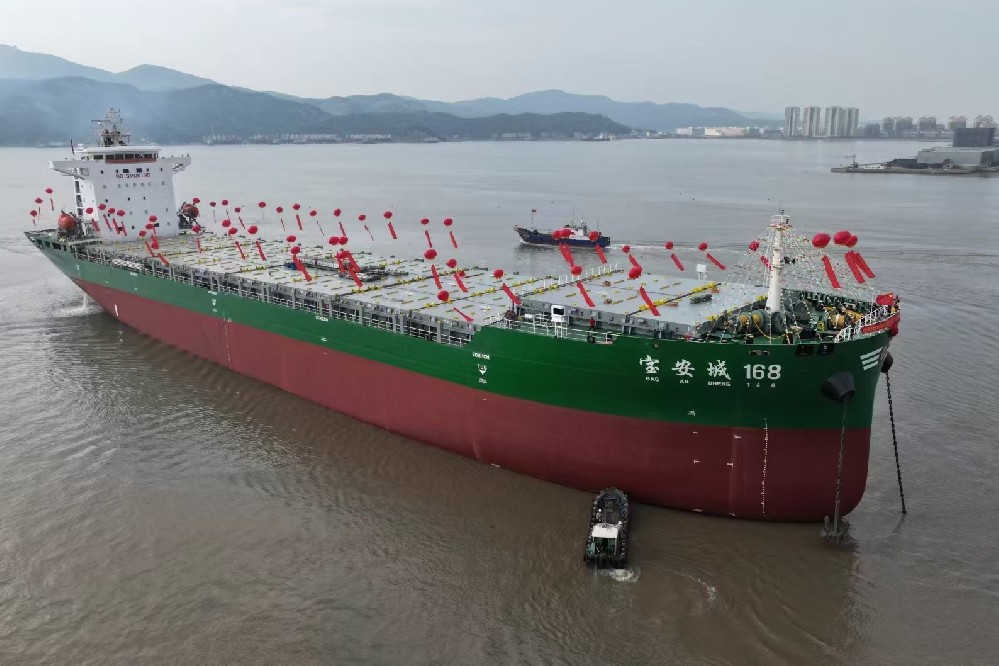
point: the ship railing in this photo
(542, 326)
(853, 331)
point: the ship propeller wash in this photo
(750, 396)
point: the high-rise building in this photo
(984, 121)
(833, 121)
(955, 122)
(927, 124)
(811, 121)
(852, 118)
(888, 126)
(792, 121)
(872, 130)
(903, 124)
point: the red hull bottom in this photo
(785, 475)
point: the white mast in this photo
(780, 224)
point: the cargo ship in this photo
(750, 397)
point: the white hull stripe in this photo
(871, 359)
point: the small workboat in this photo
(607, 542)
(573, 234)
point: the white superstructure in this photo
(113, 175)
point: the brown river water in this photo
(156, 508)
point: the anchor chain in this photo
(836, 532)
(894, 441)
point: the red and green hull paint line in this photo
(727, 429)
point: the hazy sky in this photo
(884, 56)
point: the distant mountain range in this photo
(44, 98)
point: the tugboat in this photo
(572, 234)
(607, 543)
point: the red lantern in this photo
(252, 229)
(38, 200)
(387, 215)
(452, 263)
(362, 217)
(754, 245)
(343, 240)
(101, 206)
(821, 240)
(842, 237)
(279, 209)
(430, 254)
(297, 206)
(498, 273)
(196, 229)
(295, 249)
(121, 213)
(337, 211)
(626, 249)
(634, 273)
(150, 225)
(702, 247)
(212, 204)
(668, 245)
(576, 270)
(443, 296)
(594, 235)
(260, 204)
(225, 202)
(89, 210)
(291, 239)
(48, 190)
(142, 233)
(153, 218)
(226, 223)
(313, 213)
(195, 201)
(853, 241)
(448, 221)
(334, 240)
(233, 231)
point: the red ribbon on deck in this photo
(567, 253)
(343, 232)
(509, 292)
(149, 249)
(600, 253)
(463, 315)
(766, 262)
(240, 248)
(715, 261)
(392, 231)
(426, 232)
(300, 266)
(461, 285)
(648, 301)
(859, 260)
(833, 280)
(369, 232)
(854, 268)
(634, 262)
(586, 296)
(163, 259)
(107, 222)
(260, 251)
(339, 261)
(453, 241)
(437, 278)
(197, 241)
(298, 218)
(240, 218)
(676, 260)
(353, 274)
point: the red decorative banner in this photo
(260, 251)
(509, 292)
(676, 261)
(392, 231)
(437, 278)
(586, 296)
(151, 253)
(882, 325)
(426, 232)
(300, 266)
(634, 262)
(299, 220)
(461, 285)
(854, 268)
(567, 253)
(163, 259)
(453, 241)
(283, 229)
(600, 253)
(766, 262)
(240, 248)
(197, 241)
(859, 260)
(96, 226)
(369, 232)
(353, 274)
(833, 280)
(464, 316)
(343, 232)
(715, 261)
(240, 218)
(648, 301)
